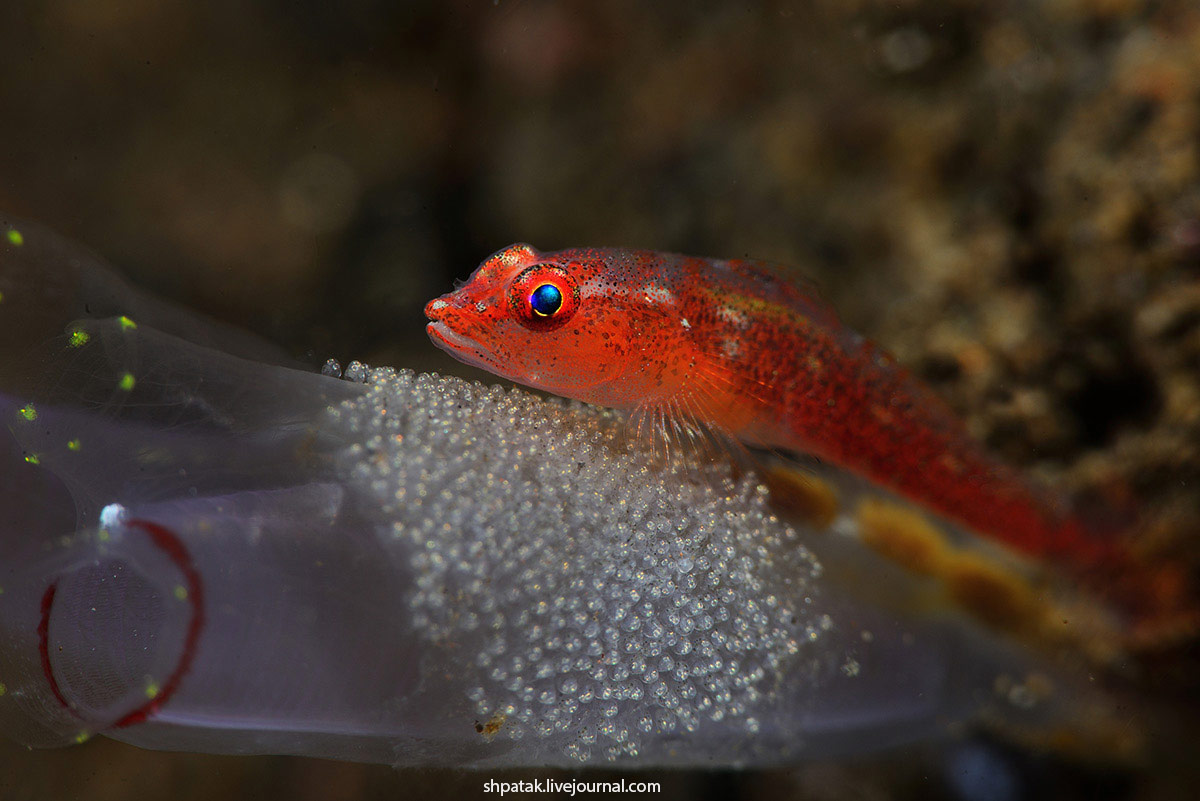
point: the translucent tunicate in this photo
(204, 548)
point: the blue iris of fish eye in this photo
(546, 300)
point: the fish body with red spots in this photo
(732, 347)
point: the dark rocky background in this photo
(1006, 194)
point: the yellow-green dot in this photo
(28, 412)
(1, 297)
(74, 445)
(32, 458)
(126, 323)
(82, 737)
(180, 592)
(152, 690)
(78, 339)
(15, 237)
(3, 689)
(102, 535)
(127, 382)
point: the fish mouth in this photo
(465, 348)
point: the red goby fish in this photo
(732, 347)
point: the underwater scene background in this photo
(1005, 195)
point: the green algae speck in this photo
(32, 458)
(28, 412)
(127, 382)
(180, 592)
(74, 445)
(79, 338)
(126, 323)
(14, 237)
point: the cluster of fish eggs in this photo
(592, 598)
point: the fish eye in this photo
(546, 300)
(543, 297)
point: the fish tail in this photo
(1156, 594)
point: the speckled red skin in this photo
(732, 346)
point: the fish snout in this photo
(465, 306)
(437, 308)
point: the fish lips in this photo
(448, 333)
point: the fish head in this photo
(545, 320)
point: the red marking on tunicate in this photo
(43, 632)
(174, 548)
(170, 544)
